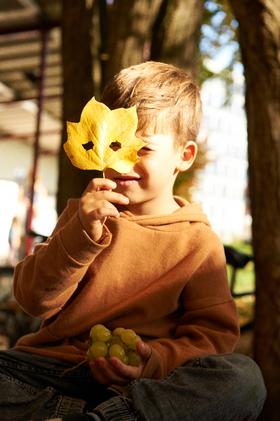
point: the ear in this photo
(187, 156)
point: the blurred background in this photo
(56, 54)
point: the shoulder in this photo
(206, 244)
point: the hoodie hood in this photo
(188, 212)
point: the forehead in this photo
(157, 140)
(154, 122)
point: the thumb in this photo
(144, 350)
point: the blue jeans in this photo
(211, 388)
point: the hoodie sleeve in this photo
(45, 280)
(209, 320)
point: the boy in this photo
(130, 254)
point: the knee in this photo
(248, 374)
(248, 384)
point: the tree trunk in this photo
(78, 89)
(129, 27)
(176, 33)
(259, 36)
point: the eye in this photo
(145, 149)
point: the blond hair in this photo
(167, 99)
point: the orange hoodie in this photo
(163, 276)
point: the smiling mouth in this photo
(126, 180)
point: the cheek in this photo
(151, 168)
(161, 165)
(143, 164)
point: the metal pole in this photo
(36, 146)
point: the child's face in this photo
(149, 185)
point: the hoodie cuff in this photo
(79, 245)
(151, 369)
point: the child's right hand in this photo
(96, 204)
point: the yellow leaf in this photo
(104, 138)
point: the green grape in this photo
(121, 343)
(133, 346)
(118, 330)
(129, 337)
(116, 340)
(97, 349)
(125, 359)
(100, 333)
(134, 359)
(117, 350)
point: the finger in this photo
(113, 197)
(123, 370)
(115, 373)
(97, 184)
(91, 198)
(99, 374)
(144, 350)
(89, 206)
(103, 212)
(104, 374)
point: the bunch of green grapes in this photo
(120, 343)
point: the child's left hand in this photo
(114, 371)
